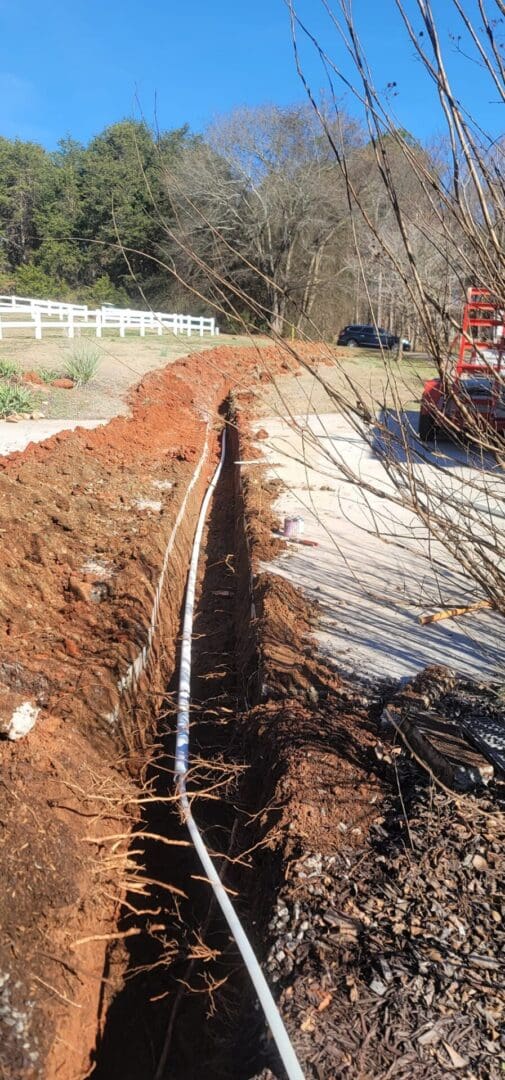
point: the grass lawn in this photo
(379, 383)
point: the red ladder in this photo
(482, 341)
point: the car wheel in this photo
(352, 344)
(427, 427)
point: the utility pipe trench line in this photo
(269, 1006)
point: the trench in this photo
(185, 993)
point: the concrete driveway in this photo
(376, 569)
(18, 436)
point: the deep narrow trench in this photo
(185, 984)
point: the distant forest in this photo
(61, 214)
(253, 217)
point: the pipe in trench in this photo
(129, 681)
(269, 1006)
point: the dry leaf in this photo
(431, 1037)
(457, 1061)
(479, 863)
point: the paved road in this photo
(372, 572)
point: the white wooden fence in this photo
(43, 315)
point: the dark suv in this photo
(368, 337)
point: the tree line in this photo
(61, 213)
(252, 219)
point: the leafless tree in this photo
(260, 200)
(448, 236)
(273, 204)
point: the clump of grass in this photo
(48, 374)
(15, 399)
(83, 362)
(8, 368)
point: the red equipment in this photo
(476, 390)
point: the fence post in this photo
(121, 325)
(98, 323)
(142, 326)
(159, 324)
(188, 331)
(201, 326)
(38, 325)
(70, 324)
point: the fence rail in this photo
(41, 315)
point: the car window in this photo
(476, 386)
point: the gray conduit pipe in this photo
(267, 1002)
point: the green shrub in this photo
(82, 364)
(104, 292)
(15, 399)
(8, 368)
(31, 280)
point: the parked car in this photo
(474, 403)
(367, 336)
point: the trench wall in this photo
(97, 530)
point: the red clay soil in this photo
(32, 378)
(84, 519)
(63, 384)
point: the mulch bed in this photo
(389, 956)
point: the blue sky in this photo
(73, 67)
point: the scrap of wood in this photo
(450, 776)
(299, 540)
(450, 613)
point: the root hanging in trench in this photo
(170, 989)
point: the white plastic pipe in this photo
(272, 1014)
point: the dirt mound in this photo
(85, 515)
(32, 378)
